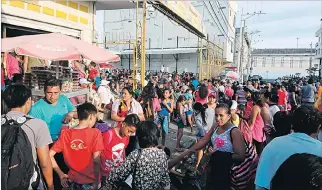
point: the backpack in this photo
(17, 165)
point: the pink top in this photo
(156, 104)
(12, 66)
(200, 100)
(229, 92)
(258, 132)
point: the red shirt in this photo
(113, 154)
(78, 146)
(93, 73)
(281, 97)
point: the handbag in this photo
(243, 173)
(127, 184)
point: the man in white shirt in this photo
(105, 93)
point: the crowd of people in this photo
(248, 136)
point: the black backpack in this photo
(17, 165)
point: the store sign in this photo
(186, 11)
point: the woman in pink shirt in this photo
(256, 123)
(201, 95)
(229, 91)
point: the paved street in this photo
(186, 139)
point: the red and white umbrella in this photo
(54, 46)
(232, 74)
(106, 66)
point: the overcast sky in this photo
(283, 22)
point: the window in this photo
(291, 62)
(255, 61)
(282, 61)
(301, 62)
(264, 62)
(273, 61)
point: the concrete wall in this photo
(74, 18)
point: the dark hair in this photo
(52, 82)
(310, 81)
(203, 91)
(306, 119)
(16, 96)
(129, 89)
(256, 96)
(93, 64)
(181, 98)
(85, 110)
(132, 120)
(4, 107)
(298, 172)
(17, 77)
(282, 123)
(148, 134)
(199, 107)
(224, 106)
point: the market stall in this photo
(55, 47)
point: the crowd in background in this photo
(253, 135)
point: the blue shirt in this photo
(195, 83)
(279, 150)
(308, 93)
(53, 115)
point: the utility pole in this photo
(243, 25)
(311, 57)
(297, 42)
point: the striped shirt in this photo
(241, 97)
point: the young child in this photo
(180, 119)
(164, 114)
(115, 142)
(81, 147)
(188, 108)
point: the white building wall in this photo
(274, 66)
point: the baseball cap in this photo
(212, 94)
(83, 81)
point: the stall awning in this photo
(164, 51)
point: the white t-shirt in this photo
(105, 94)
(273, 110)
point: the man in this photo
(241, 95)
(306, 125)
(308, 92)
(18, 100)
(55, 109)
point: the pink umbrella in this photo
(106, 66)
(232, 74)
(54, 46)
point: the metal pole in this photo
(240, 42)
(177, 55)
(130, 57)
(162, 37)
(136, 44)
(143, 37)
(242, 53)
(208, 57)
(200, 57)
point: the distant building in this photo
(168, 44)
(274, 63)
(318, 49)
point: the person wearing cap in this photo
(105, 94)
(234, 115)
(76, 100)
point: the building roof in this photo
(283, 51)
(165, 51)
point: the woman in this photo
(123, 107)
(148, 165)
(256, 123)
(202, 94)
(114, 89)
(228, 146)
(164, 114)
(180, 119)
